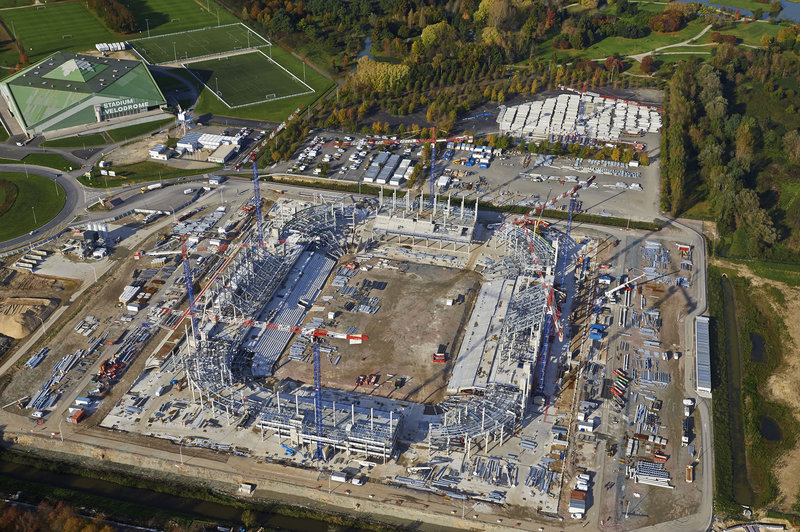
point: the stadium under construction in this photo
(259, 299)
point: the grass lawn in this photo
(128, 132)
(95, 139)
(138, 173)
(246, 79)
(748, 33)
(170, 16)
(34, 194)
(623, 46)
(275, 111)
(197, 43)
(42, 30)
(50, 160)
(699, 211)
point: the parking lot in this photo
(504, 178)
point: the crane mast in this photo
(257, 198)
(187, 273)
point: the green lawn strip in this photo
(686, 50)
(8, 195)
(128, 132)
(699, 211)
(275, 111)
(723, 457)
(35, 194)
(50, 160)
(784, 273)
(138, 173)
(171, 16)
(67, 26)
(95, 139)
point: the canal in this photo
(197, 509)
(742, 491)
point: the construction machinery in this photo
(616, 289)
(291, 451)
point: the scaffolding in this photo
(468, 419)
(518, 242)
(356, 430)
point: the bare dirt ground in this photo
(784, 385)
(412, 322)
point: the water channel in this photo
(742, 491)
(198, 509)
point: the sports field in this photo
(22, 197)
(276, 110)
(42, 30)
(246, 79)
(170, 16)
(197, 43)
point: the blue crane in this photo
(187, 272)
(318, 454)
(257, 198)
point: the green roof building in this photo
(68, 90)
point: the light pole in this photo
(25, 166)
(94, 272)
(216, 81)
(59, 430)
(44, 329)
(34, 216)
(180, 450)
(147, 21)
(174, 52)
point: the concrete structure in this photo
(67, 90)
(425, 224)
(159, 152)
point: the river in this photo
(790, 11)
(198, 509)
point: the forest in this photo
(731, 149)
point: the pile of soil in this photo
(19, 316)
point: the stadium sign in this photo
(122, 106)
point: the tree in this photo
(647, 64)
(766, 41)
(791, 145)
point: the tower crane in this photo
(257, 194)
(187, 272)
(433, 165)
(559, 326)
(318, 454)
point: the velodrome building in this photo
(66, 90)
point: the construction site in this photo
(519, 367)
